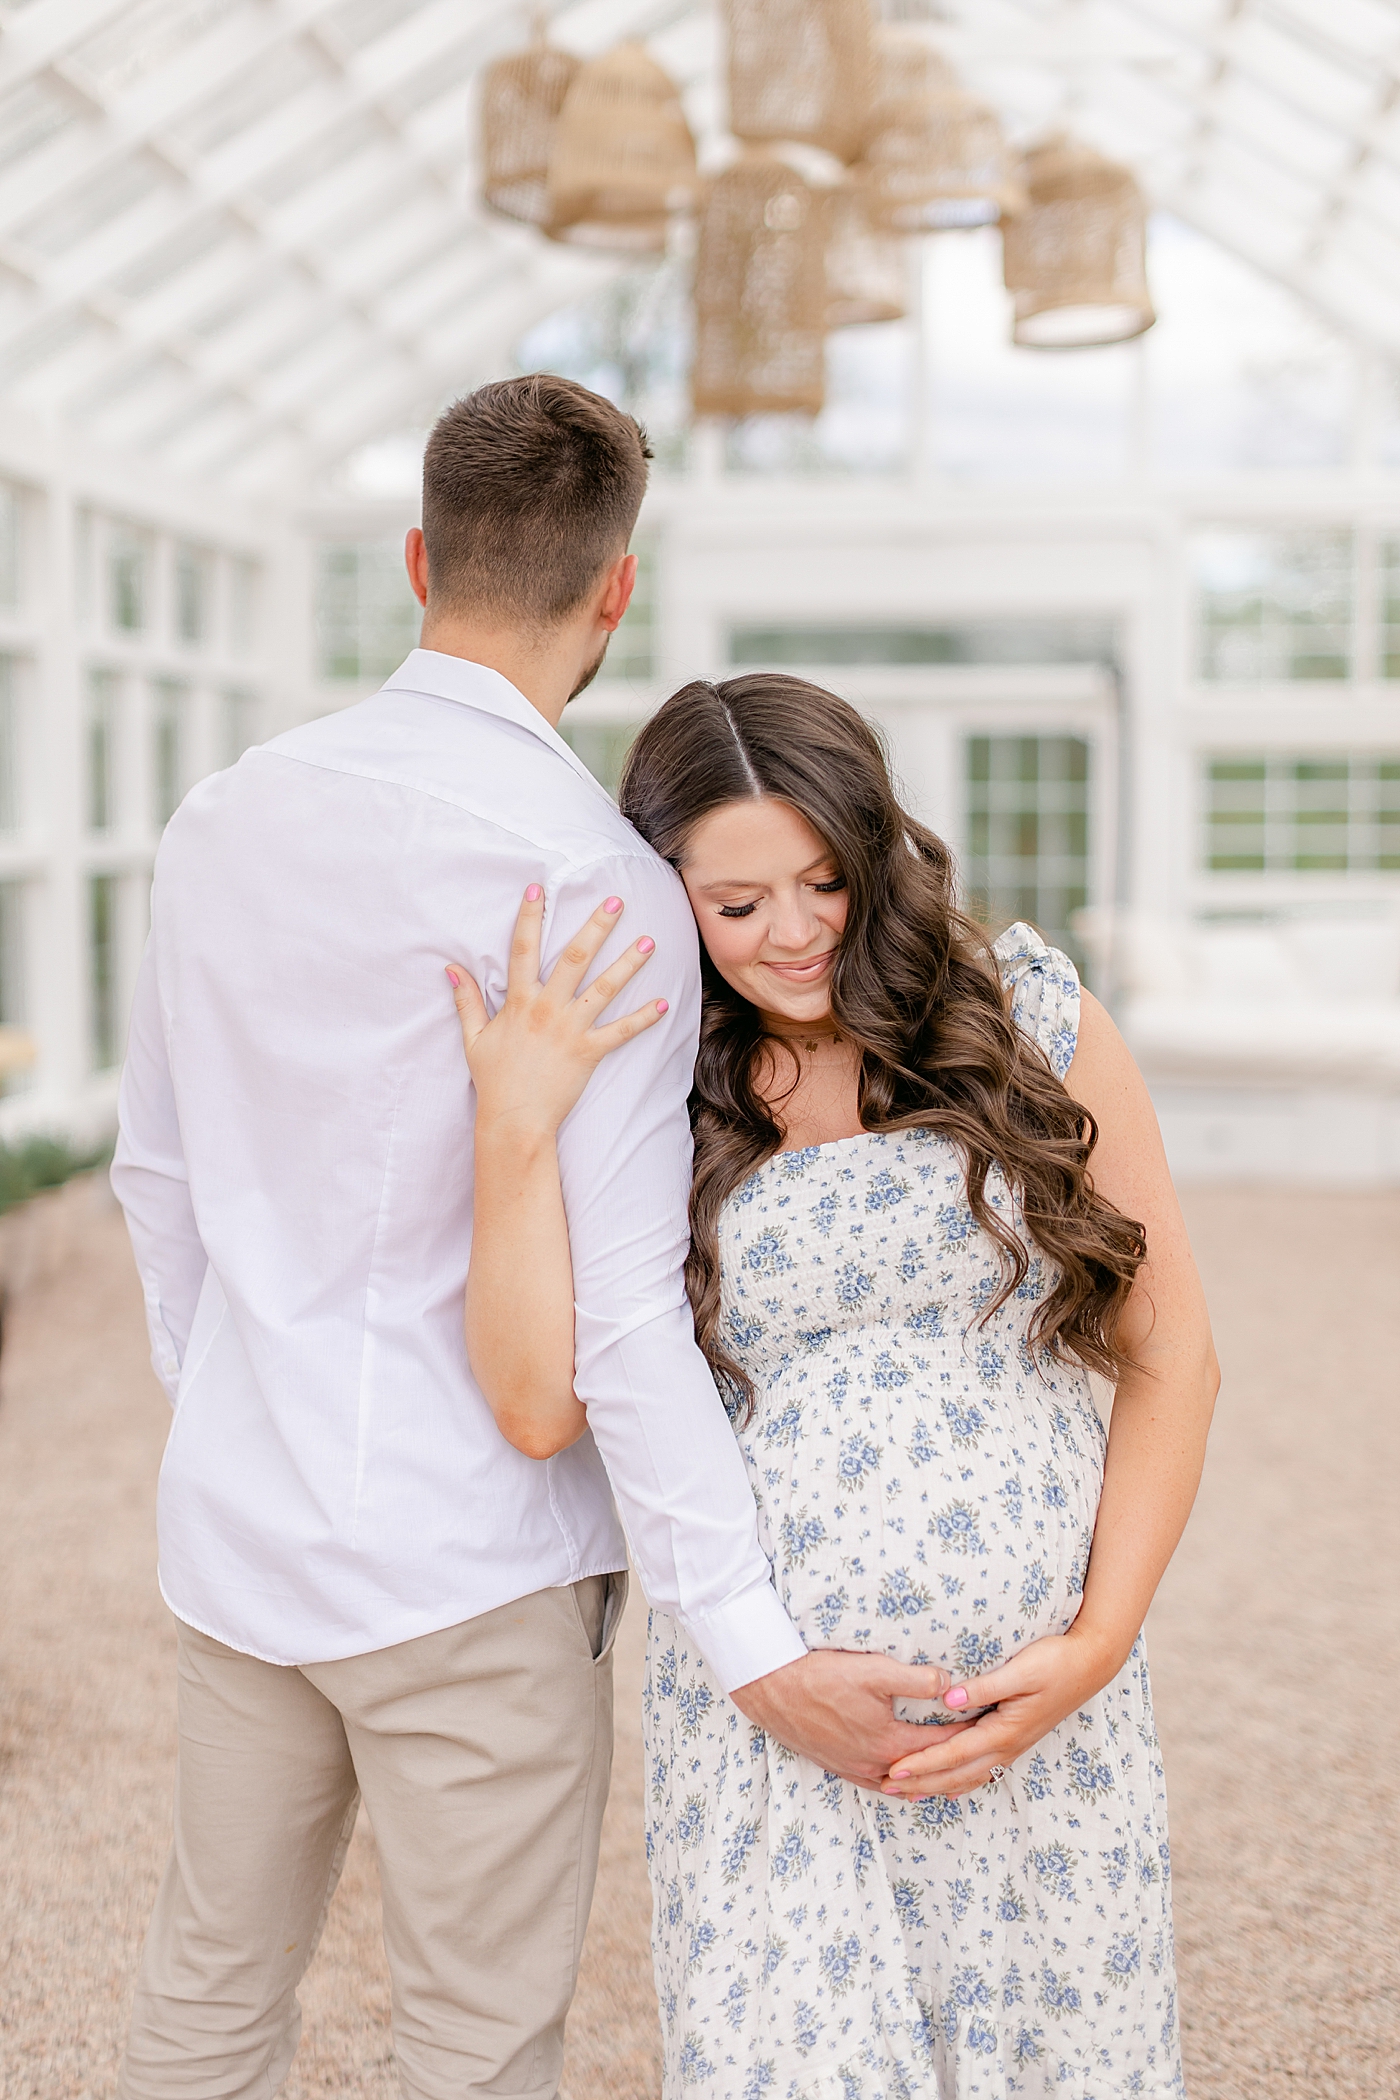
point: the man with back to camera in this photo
(375, 1594)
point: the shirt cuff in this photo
(747, 1637)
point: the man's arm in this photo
(625, 1163)
(152, 1185)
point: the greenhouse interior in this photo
(1028, 371)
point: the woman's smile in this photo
(807, 971)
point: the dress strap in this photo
(1044, 988)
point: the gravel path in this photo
(1274, 1651)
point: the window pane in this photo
(1281, 812)
(102, 970)
(366, 615)
(1028, 832)
(9, 744)
(1016, 639)
(238, 725)
(169, 700)
(11, 525)
(1274, 605)
(191, 594)
(1388, 581)
(12, 986)
(127, 561)
(242, 607)
(101, 750)
(603, 747)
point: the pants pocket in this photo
(614, 1604)
(599, 1602)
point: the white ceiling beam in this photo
(137, 119)
(41, 36)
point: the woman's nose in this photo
(794, 925)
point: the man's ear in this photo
(415, 560)
(618, 586)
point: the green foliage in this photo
(37, 1163)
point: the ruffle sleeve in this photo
(1044, 988)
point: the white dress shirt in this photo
(295, 1162)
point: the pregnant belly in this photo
(940, 1520)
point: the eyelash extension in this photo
(742, 911)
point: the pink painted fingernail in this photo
(454, 980)
(612, 904)
(663, 1006)
(957, 1697)
(533, 894)
(645, 944)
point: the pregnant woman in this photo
(929, 1200)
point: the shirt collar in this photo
(477, 685)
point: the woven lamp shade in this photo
(934, 156)
(623, 159)
(760, 294)
(520, 103)
(1076, 259)
(800, 70)
(865, 262)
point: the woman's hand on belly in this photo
(1032, 1693)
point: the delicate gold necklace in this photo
(810, 1043)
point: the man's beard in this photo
(591, 673)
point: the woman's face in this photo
(770, 903)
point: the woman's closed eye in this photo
(742, 911)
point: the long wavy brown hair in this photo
(914, 984)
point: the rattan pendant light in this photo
(866, 278)
(800, 70)
(1076, 258)
(760, 293)
(623, 158)
(934, 156)
(521, 99)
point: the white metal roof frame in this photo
(241, 237)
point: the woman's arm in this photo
(1156, 1443)
(529, 1066)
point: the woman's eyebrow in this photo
(751, 882)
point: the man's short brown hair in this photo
(531, 488)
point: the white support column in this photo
(59, 991)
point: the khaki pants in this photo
(482, 1753)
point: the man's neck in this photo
(545, 668)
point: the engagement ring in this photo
(997, 1772)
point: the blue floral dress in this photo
(926, 1487)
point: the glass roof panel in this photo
(30, 115)
(1376, 187)
(431, 84)
(195, 243)
(1365, 27)
(246, 100)
(1231, 162)
(297, 179)
(1311, 70)
(79, 212)
(355, 23)
(326, 153)
(144, 36)
(1275, 128)
(40, 348)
